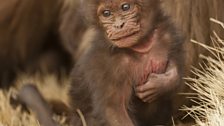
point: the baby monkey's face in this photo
(121, 21)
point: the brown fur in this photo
(27, 26)
(191, 17)
(73, 34)
(104, 77)
(29, 40)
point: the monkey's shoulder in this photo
(99, 64)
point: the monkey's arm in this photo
(30, 95)
(159, 84)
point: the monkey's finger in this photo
(146, 94)
(145, 87)
(154, 76)
(151, 98)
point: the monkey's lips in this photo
(117, 38)
(126, 40)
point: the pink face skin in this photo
(121, 22)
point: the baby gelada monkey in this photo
(133, 68)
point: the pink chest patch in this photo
(153, 59)
(152, 66)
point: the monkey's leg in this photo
(107, 107)
(30, 95)
(114, 102)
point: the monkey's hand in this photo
(159, 84)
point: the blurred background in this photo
(40, 40)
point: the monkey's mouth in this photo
(127, 40)
(125, 36)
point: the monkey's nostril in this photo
(122, 25)
(119, 26)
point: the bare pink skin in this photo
(159, 73)
(122, 33)
(158, 84)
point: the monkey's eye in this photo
(106, 13)
(125, 7)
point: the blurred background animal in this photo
(29, 39)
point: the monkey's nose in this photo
(119, 25)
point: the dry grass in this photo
(10, 116)
(50, 88)
(209, 86)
